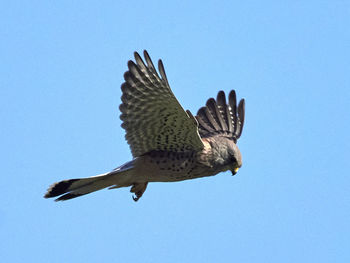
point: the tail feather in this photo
(72, 188)
(77, 187)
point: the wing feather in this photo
(232, 102)
(214, 109)
(149, 62)
(241, 109)
(221, 102)
(162, 72)
(211, 117)
(218, 117)
(152, 117)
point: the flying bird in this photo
(168, 144)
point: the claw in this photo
(138, 189)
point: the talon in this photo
(138, 189)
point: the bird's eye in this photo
(233, 160)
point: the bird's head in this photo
(227, 155)
(234, 157)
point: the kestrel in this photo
(168, 144)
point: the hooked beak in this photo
(234, 171)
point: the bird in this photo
(168, 143)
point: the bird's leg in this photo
(138, 189)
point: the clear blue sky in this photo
(62, 63)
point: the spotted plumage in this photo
(168, 143)
(146, 95)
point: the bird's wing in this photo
(219, 118)
(152, 117)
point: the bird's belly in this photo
(175, 176)
(170, 167)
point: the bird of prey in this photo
(168, 144)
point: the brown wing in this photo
(152, 117)
(217, 117)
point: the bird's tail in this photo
(72, 188)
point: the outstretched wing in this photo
(217, 117)
(152, 117)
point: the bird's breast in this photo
(162, 166)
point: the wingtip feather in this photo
(222, 117)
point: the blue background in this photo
(62, 63)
